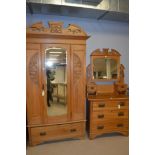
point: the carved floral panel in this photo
(33, 68)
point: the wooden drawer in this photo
(103, 105)
(41, 134)
(109, 114)
(110, 126)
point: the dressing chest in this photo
(108, 104)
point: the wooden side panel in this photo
(78, 73)
(33, 84)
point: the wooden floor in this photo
(111, 144)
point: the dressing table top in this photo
(111, 96)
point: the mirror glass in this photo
(113, 68)
(105, 68)
(56, 81)
(99, 68)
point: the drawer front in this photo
(113, 126)
(109, 114)
(41, 134)
(103, 105)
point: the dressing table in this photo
(108, 102)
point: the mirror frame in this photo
(45, 60)
(105, 53)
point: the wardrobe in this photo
(55, 82)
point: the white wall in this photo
(104, 34)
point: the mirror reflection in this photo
(105, 68)
(113, 68)
(56, 81)
(99, 68)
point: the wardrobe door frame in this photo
(61, 118)
(78, 76)
(33, 102)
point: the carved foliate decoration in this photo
(37, 27)
(120, 86)
(33, 68)
(114, 52)
(57, 28)
(74, 29)
(105, 52)
(91, 88)
(121, 78)
(89, 72)
(77, 67)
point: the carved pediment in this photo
(105, 52)
(37, 27)
(57, 28)
(74, 29)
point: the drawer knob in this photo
(121, 103)
(72, 130)
(121, 114)
(119, 125)
(100, 116)
(101, 105)
(100, 127)
(42, 133)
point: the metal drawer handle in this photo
(119, 125)
(101, 105)
(100, 127)
(121, 114)
(72, 130)
(42, 133)
(100, 116)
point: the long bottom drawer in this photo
(111, 126)
(99, 128)
(55, 132)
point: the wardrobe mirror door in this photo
(56, 81)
